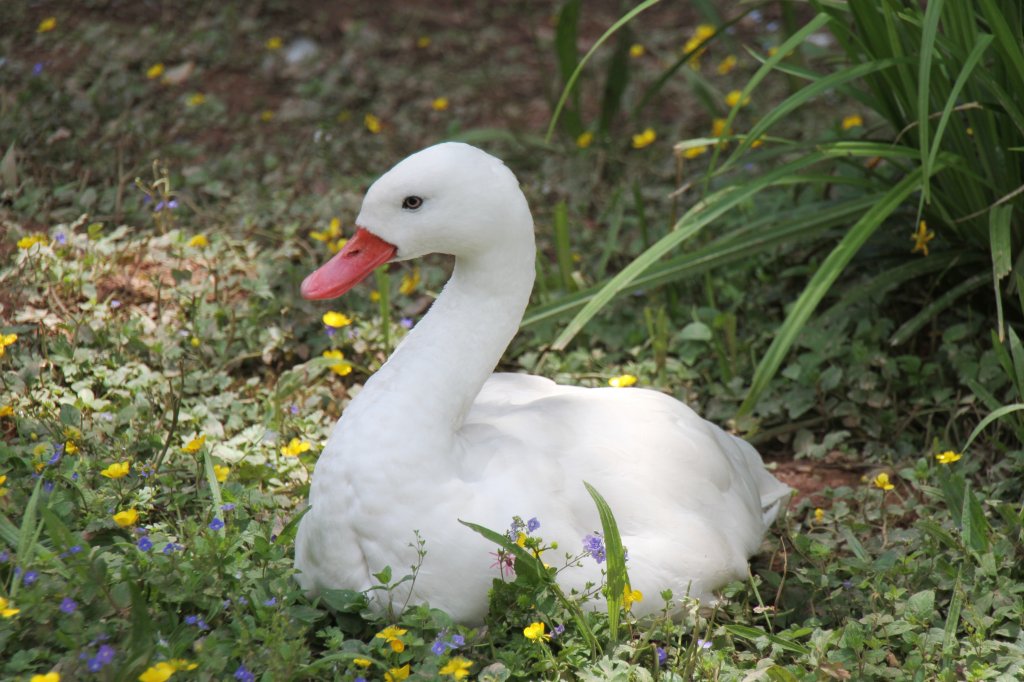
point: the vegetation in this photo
(802, 220)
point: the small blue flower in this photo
(557, 631)
(242, 674)
(55, 457)
(228, 506)
(662, 655)
(68, 605)
(94, 665)
(703, 644)
(171, 547)
(30, 577)
(270, 602)
(202, 625)
(5, 556)
(61, 238)
(294, 409)
(106, 654)
(243, 601)
(216, 524)
(75, 549)
(191, 620)
(144, 543)
(457, 641)
(48, 486)
(594, 546)
(114, 303)
(406, 322)
(532, 525)
(37, 68)
(438, 647)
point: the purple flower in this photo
(171, 547)
(216, 524)
(359, 679)
(242, 674)
(662, 655)
(94, 665)
(406, 322)
(48, 486)
(75, 549)
(169, 205)
(30, 577)
(243, 601)
(5, 556)
(37, 68)
(270, 602)
(532, 525)
(559, 629)
(703, 644)
(438, 647)
(228, 506)
(848, 584)
(202, 625)
(106, 654)
(191, 620)
(114, 303)
(68, 605)
(294, 409)
(457, 641)
(55, 457)
(61, 238)
(594, 546)
(330, 331)
(145, 544)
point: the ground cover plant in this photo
(801, 219)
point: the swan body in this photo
(434, 436)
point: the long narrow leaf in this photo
(625, 19)
(929, 31)
(617, 576)
(928, 313)
(687, 226)
(820, 284)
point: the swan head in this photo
(451, 198)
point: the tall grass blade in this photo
(929, 32)
(617, 576)
(690, 224)
(625, 19)
(1002, 265)
(997, 414)
(928, 312)
(820, 284)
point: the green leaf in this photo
(617, 576)
(753, 634)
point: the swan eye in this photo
(412, 203)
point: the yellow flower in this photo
(921, 238)
(457, 667)
(48, 677)
(194, 445)
(47, 25)
(852, 121)
(409, 282)
(718, 127)
(274, 43)
(161, 672)
(336, 320)
(734, 97)
(333, 230)
(199, 241)
(195, 341)
(31, 240)
(535, 632)
(117, 470)
(295, 447)
(391, 635)
(221, 472)
(726, 65)
(641, 140)
(819, 515)
(521, 539)
(126, 518)
(267, 115)
(6, 610)
(341, 367)
(70, 447)
(700, 34)
(772, 51)
(397, 674)
(629, 596)
(372, 123)
(374, 295)
(882, 481)
(362, 662)
(636, 50)
(440, 104)
(195, 99)
(423, 42)
(947, 457)
(6, 411)
(622, 381)
(182, 664)
(6, 340)
(585, 139)
(155, 71)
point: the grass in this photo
(174, 340)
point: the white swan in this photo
(434, 436)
